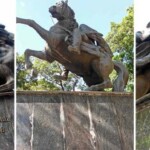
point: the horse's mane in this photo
(66, 11)
(69, 13)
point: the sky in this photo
(7, 15)
(98, 14)
(142, 14)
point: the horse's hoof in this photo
(95, 88)
(28, 65)
(91, 88)
(57, 77)
(6, 87)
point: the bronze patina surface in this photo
(79, 48)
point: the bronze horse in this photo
(6, 60)
(143, 69)
(94, 63)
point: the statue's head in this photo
(61, 11)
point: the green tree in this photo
(41, 77)
(120, 40)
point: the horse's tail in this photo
(122, 78)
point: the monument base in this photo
(6, 121)
(143, 128)
(74, 120)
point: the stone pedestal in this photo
(143, 128)
(6, 121)
(74, 121)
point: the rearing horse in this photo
(94, 63)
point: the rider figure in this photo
(69, 22)
(76, 41)
(82, 35)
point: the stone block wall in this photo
(74, 121)
(143, 128)
(6, 121)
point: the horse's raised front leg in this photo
(38, 54)
(41, 31)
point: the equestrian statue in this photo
(79, 48)
(6, 60)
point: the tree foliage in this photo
(41, 77)
(120, 40)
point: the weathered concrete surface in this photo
(143, 127)
(6, 121)
(74, 121)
